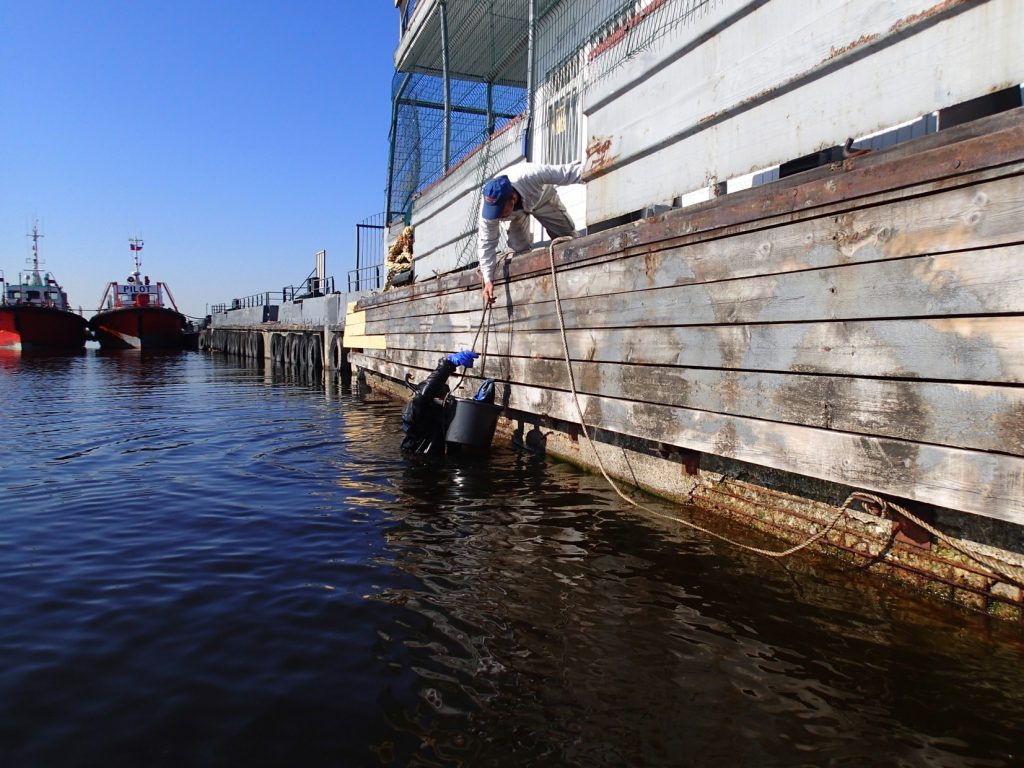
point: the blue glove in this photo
(464, 358)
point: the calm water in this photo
(206, 564)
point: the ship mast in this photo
(35, 246)
(135, 243)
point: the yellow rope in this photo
(857, 496)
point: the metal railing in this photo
(310, 288)
(367, 278)
(370, 272)
(313, 286)
(255, 300)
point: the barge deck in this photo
(857, 327)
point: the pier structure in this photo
(797, 280)
(302, 329)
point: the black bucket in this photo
(471, 422)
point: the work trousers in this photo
(552, 216)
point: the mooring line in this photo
(996, 571)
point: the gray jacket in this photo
(535, 184)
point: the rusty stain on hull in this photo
(835, 53)
(928, 13)
(597, 154)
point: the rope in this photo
(996, 569)
(485, 326)
(857, 496)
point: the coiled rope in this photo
(997, 570)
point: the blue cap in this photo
(497, 192)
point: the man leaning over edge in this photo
(523, 190)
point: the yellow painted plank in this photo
(352, 341)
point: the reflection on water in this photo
(207, 563)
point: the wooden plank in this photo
(976, 210)
(354, 341)
(983, 483)
(853, 187)
(745, 200)
(756, 47)
(972, 349)
(703, 118)
(980, 215)
(973, 283)
(986, 484)
(972, 416)
(355, 320)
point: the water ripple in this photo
(208, 564)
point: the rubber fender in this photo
(314, 352)
(337, 353)
(291, 355)
(307, 352)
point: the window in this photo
(562, 113)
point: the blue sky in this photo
(236, 138)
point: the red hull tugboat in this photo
(138, 315)
(34, 312)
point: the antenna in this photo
(34, 234)
(135, 243)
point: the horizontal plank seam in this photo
(794, 83)
(504, 327)
(734, 18)
(416, 257)
(690, 238)
(679, 368)
(823, 374)
(758, 276)
(775, 221)
(731, 414)
(749, 226)
(471, 378)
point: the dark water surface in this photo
(203, 564)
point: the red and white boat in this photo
(137, 314)
(34, 312)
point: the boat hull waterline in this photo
(139, 328)
(29, 328)
(35, 313)
(138, 314)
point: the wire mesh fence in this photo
(495, 52)
(477, 110)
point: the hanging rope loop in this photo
(866, 500)
(485, 326)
